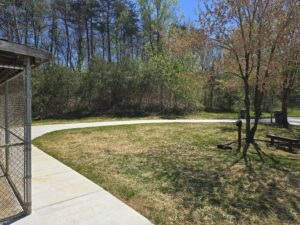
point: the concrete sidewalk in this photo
(40, 130)
(43, 129)
(61, 196)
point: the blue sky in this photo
(189, 8)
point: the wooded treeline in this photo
(75, 31)
(115, 56)
(135, 57)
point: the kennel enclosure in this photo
(16, 62)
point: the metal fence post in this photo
(239, 124)
(27, 136)
(6, 129)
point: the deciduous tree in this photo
(251, 32)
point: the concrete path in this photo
(294, 121)
(43, 129)
(61, 196)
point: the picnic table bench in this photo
(283, 140)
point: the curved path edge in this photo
(44, 129)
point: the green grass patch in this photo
(295, 112)
(174, 174)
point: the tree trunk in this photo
(92, 37)
(26, 26)
(118, 50)
(52, 35)
(284, 107)
(80, 50)
(211, 97)
(161, 97)
(16, 27)
(103, 45)
(108, 32)
(257, 94)
(257, 109)
(158, 42)
(132, 47)
(87, 40)
(68, 38)
(247, 108)
(36, 37)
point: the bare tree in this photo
(250, 31)
(288, 70)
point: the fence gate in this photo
(15, 127)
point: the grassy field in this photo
(174, 175)
(294, 112)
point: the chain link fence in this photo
(14, 177)
(15, 126)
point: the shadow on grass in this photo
(277, 163)
(252, 193)
(232, 129)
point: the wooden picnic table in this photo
(283, 140)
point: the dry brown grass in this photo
(173, 173)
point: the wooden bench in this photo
(283, 140)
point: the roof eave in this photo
(25, 51)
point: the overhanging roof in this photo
(12, 58)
